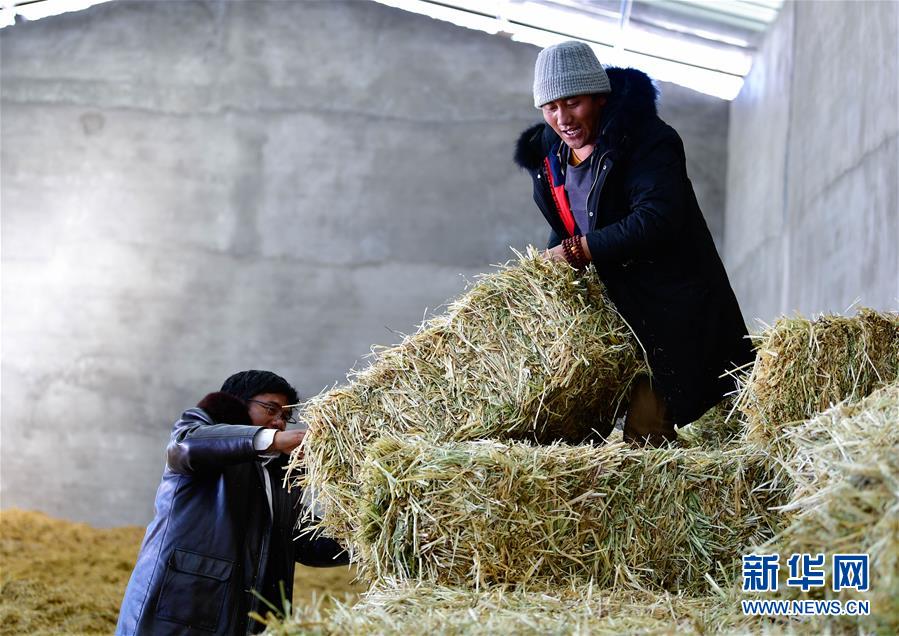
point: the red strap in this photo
(561, 199)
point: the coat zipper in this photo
(594, 219)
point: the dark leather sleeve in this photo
(198, 445)
(317, 551)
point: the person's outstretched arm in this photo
(198, 445)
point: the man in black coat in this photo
(610, 177)
(225, 527)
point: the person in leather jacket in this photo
(227, 531)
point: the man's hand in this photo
(558, 254)
(555, 254)
(286, 441)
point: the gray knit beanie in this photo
(567, 69)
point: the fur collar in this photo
(631, 102)
(224, 408)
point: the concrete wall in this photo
(194, 188)
(813, 181)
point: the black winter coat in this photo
(650, 244)
(213, 538)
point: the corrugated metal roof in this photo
(706, 45)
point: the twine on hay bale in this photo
(805, 366)
(476, 513)
(532, 351)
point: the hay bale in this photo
(718, 427)
(534, 350)
(845, 467)
(805, 366)
(426, 609)
(476, 513)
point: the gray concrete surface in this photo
(194, 188)
(813, 182)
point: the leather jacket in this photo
(213, 538)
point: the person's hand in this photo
(555, 254)
(286, 441)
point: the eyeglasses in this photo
(287, 413)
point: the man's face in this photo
(575, 119)
(265, 410)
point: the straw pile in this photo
(846, 473)
(532, 351)
(425, 609)
(60, 577)
(805, 366)
(486, 513)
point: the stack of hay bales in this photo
(845, 470)
(532, 351)
(805, 366)
(427, 466)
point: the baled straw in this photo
(719, 427)
(476, 513)
(399, 610)
(805, 366)
(534, 350)
(845, 467)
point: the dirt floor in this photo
(59, 577)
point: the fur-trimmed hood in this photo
(631, 102)
(224, 408)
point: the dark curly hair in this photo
(247, 384)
